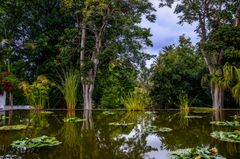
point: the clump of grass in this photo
(137, 100)
(184, 101)
(68, 85)
(184, 109)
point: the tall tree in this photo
(178, 69)
(103, 24)
(32, 31)
(208, 15)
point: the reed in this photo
(68, 85)
(184, 101)
(137, 100)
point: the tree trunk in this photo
(217, 96)
(11, 99)
(87, 96)
(237, 17)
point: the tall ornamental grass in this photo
(184, 102)
(137, 100)
(68, 86)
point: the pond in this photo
(115, 134)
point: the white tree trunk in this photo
(218, 96)
(87, 96)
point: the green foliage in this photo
(137, 100)
(46, 112)
(114, 81)
(109, 113)
(184, 102)
(178, 69)
(73, 120)
(37, 93)
(50, 37)
(236, 93)
(236, 116)
(120, 124)
(68, 85)
(155, 129)
(224, 41)
(226, 123)
(13, 127)
(193, 117)
(38, 120)
(226, 136)
(196, 153)
(3, 117)
(38, 142)
(37, 53)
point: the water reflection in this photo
(71, 113)
(88, 122)
(95, 139)
(218, 115)
(38, 120)
(10, 117)
(69, 136)
(183, 122)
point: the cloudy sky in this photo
(165, 30)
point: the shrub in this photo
(137, 100)
(37, 93)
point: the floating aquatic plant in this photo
(73, 120)
(46, 112)
(155, 129)
(226, 136)
(109, 113)
(193, 116)
(150, 112)
(202, 110)
(13, 127)
(120, 124)
(196, 153)
(226, 123)
(236, 116)
(29, 143)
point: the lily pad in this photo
(46, 112)
(193, 117)
(196, 153)
(73, 120)
(226, 123)
(236, 116)
(155, 129)
(202, 110)
(148, 112)
(120, 124)
(226, 136)
(13, 127)
(29, 143)
(109, 113)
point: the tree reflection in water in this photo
(94, 138)
(218, 115)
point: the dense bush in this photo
(178, 69)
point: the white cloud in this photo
(165, 30)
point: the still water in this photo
(95, 139)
